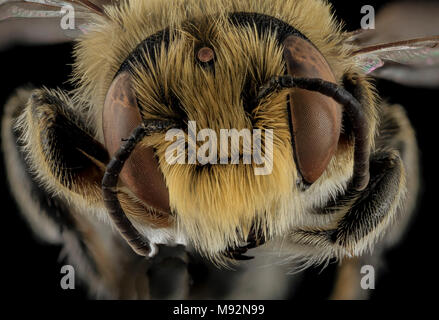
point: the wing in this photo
(46, 8)
(39, 21)
(388, 52)
(416, 53)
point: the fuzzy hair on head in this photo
(215, 206)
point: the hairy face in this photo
(205, 71)
(210, 79)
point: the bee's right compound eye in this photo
(141, 173)
(316, 119)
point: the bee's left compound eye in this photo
(141, 172)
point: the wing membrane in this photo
(385, 51)
(422, 52)
(44, 15)
(47, 8)
(16, 9)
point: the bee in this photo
(89, 168)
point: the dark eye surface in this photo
(316, 119)
(141, 173)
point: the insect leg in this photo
(45, 166)
(347, 284)
(396, 132)
(49, 216)
(44, 214)
(60, 149)
(365, 215)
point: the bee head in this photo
(205, 72)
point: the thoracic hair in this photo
(215, 206)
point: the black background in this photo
(31, 270)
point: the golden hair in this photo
(216, 206)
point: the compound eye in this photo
(315, 118)
(141, 173)
(205, 55)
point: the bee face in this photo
(219, 125)
(208, 72)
